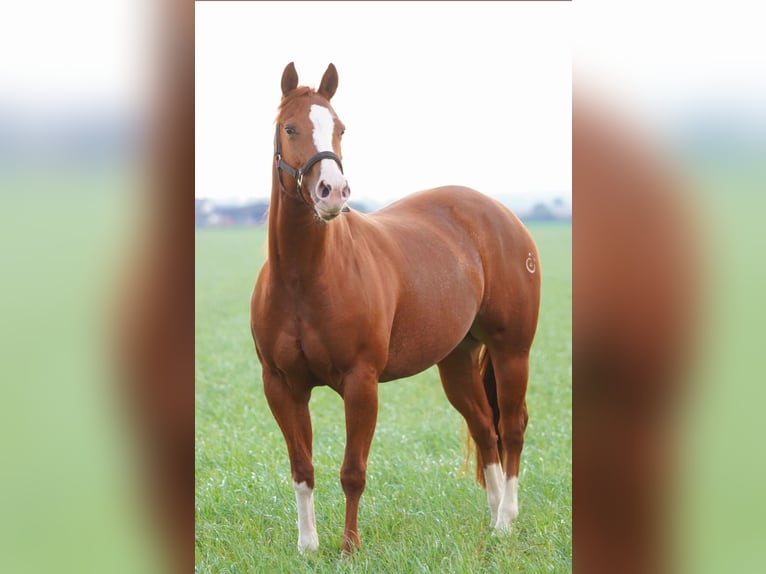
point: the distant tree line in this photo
(211, 214)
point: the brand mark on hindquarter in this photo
(530, 264)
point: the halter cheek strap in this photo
(297, 174)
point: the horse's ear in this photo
(289, 79)
(329, 82)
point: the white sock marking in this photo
(493, 476)
(509, 507)
(307, 529)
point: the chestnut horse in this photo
(447, 276)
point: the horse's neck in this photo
(297, 241)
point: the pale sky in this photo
(432, 93)
(76, 55)
(666, 59)
(476, 94)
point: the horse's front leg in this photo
(360, 398)
(290, 406)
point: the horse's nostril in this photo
(324, 189)
(346, 191)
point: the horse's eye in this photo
(290, 130)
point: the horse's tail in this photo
(490, 388)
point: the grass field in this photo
(420, 512)
(70, 497)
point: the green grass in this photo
(420, 511)
(70, 496)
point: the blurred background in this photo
(668, 176)
(83, 115)
(96, 181)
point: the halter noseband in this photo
(297, 174)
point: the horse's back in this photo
(466, 220)
(458, 210)
(469, 257)
(509, 261)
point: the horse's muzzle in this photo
(330, 197)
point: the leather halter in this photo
(297, 174)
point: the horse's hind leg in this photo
(511, 373)
(464, 388)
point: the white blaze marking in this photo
(509, 507)
(324, 126)
(307, 529)
(493, 476)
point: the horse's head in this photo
(307, 144)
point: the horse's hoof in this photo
(349, 548)
(505, 522)
(346, 554)
(309, 546)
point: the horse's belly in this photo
(399, 368)
(422, 340)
